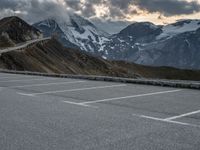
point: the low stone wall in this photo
(155, 82)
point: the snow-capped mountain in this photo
(125, 44)
(179, 27)
(176, 45)
(77, 30)
(49, 27)
(110, 26)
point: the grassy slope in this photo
(5, 42)
(52, 57)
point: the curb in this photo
(155, 82)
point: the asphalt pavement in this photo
(45, 113)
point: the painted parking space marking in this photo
(47, 84)
(80, 104)
(31, 79)
(14, 77)
(73, 90)
(132, 96)
(183, 115)
(167, 121)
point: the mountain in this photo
(51, 57)
(111, 27)
(77, 30)
(14, 30)
(125, 44)
(50, 28)
(175, 45)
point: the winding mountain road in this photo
(23, 45)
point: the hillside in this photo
(52, 57)
(14, 30)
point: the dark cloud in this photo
(169, 7)
(122, 4)
(34, 10)
(31, 10)
(120, 8)
(8, 4)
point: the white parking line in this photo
(72, 90)
(132, 96)
(47, 84)
(14, 77)
(167, 121)
(79, 104)
(183, 115)
(28, 80)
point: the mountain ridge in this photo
(50, 56)
(141, 42)
(14, 30)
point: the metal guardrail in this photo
(155, 82)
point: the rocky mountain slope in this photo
(14, 30)
(51, 57)
(50, 28)
(175, 45)
(75, 30)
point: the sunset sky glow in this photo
(156, 11)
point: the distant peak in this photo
(12, 18)
(81, 21)
(185, 21)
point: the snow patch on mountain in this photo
(83, 33)
(179, 27)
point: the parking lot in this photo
(70, 114)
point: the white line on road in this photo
(183, 115)
(73, 90)
(79, 104)
(31, 79)
(15, 77)
(167, 121)
(47, 84)
(132, 96)
(8, 76)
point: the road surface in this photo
(23, 45)
(45, 113)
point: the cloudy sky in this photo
(157, 11)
